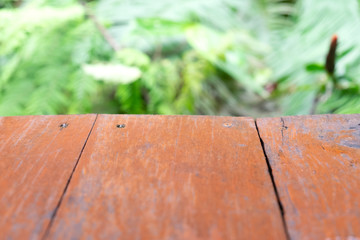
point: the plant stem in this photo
(108, 38)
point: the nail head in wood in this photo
(63, 125)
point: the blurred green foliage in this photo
(219, 57)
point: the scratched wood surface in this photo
(36, 160)
(170, 177)
(316, 166)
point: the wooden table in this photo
(179, 177)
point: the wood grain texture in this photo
(316, 167)
(170, 177)
(36, 159)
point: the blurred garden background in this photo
(215, 57)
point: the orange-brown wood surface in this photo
(37, 157)
(316, 166)
(170, 177)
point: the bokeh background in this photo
(220, 57)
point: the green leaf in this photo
(345, 52)
(207, 41)
(161, 26)
(315, 67)
(133, 57)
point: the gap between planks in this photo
(67, 184)
(281, 207)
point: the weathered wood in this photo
(37, 157)
(170, 177)
(316, 167)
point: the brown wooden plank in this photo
(316, 167)
(37, 158)
(170, 177)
